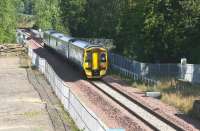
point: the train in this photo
(91, 59)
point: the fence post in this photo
(69, 102)
(159, 69)
(168, 74)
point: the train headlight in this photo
(88, 65)
(103, 65)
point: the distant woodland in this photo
(145, 30)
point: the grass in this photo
(182, 98)
(67, 119)
(32, 114)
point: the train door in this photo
(95, 62)
(98, 61)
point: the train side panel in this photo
(52, 42)
(67, 50)
(46, 39)
(76, 54)
(61, 46)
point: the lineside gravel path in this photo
(53, 106)
(21, 108)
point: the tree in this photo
(28, 6)
(73, 16)
(48, 15)
(146, 30)
(171, 27)
(129, 40)
(20, 6)
(103, 18)
(7, 21)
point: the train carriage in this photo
(92, 59)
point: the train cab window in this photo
(88, 57)
(103, 57)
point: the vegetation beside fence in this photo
(7, 21)
(160, 78)
(26, 21)
(154, 72)
(181, 98)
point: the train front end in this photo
(95, 62)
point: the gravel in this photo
(168, 112)
(110, 113)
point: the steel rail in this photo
(168, 123)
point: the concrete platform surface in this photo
(21, 108)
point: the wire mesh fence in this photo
(152, 73)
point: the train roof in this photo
(50, 32)
(84, 44)
(59, 35)
(79, 43)
(76, 42)
(66, 38)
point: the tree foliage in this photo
(25, 7)
(146, 30)
(171, 29)
(129, 39)
(73, 15)
(103, 18)
(7, 20)
(48, 15)
(28, 6)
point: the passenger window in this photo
(103, 57)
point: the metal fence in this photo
(152, 73)
(83, 116)
(190, 72)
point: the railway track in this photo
(150, 118)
